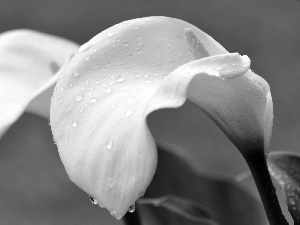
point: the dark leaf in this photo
(285, 169)
(187, 208)
(181, 176)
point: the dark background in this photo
(267, 31)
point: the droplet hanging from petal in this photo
(131, 208)
(94, 201)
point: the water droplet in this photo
(93, 100)
(112, 212)
(49, 123)
(81, 109)
(94, 201)
(107, 90)
(130, 55)
(110, 182)
(97, 81)
(169, 47)
(74, 123)
(139, 51)
(125, 43)
(110, 33)
(109, 143)
(139, 41)
(75, 73)
(61, 75)
(131, 208)
(90, 132)
(128, 113)
(96, 65)
(78, 98)
(120, 79)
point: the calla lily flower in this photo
(101, 102)
(29, 61)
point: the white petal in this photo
(28, 61)
(125, 73)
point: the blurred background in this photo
(31, 174)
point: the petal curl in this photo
(123, 74)
(28, 61)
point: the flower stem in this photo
(258, 165)
(132, 218)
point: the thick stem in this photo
(259, 168)
(132, 218)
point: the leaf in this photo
(285, 169)
(28, 62)
(184, 207)
(180, 175)
(127, 72)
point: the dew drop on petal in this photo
(107, 90)
(169, 47)
(128, 113)
(75, 73)
(139, 51)
(78, 98)
(90, 132)
(125, 43)
(109, 143)
(131, 208)
(74, 123)
(110, 182)
(96, 65)
(139, 41)
(120, 79)
(94, 201)
(62, 75)
(112, 212)
(93, 100)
